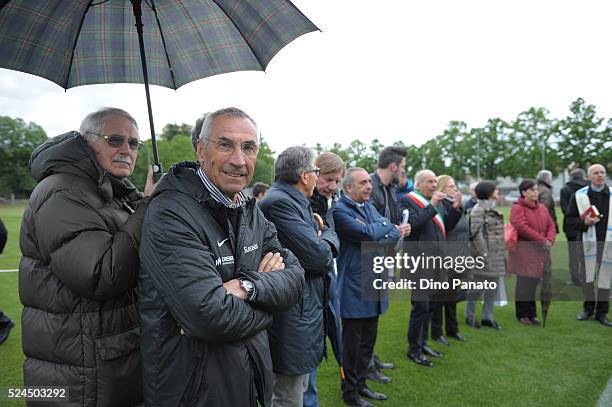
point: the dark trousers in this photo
(443, 310)
(575, 256)
(358, 340)
(600, 304)
(418, 326)
(525, 296)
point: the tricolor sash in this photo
(422, 202)
(589, 243)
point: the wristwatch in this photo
(248, 286)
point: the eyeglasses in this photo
(117, 140)
(317, 171)
(248, 148)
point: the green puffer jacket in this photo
(79, 239)
(487, 236)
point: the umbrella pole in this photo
(157, 167)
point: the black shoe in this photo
(491, 324)
(458, 337)
(378, 377)
(371, 394)
(441, 339)
(382, 365)
(472, 323)
(358, 402)
(4, 332)
(585, 316)
(419, 359)
(603, 319)
(428, 351)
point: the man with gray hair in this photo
(213, 273)
(363, 232)
(297, 335)
(79, 243)
(544, 180)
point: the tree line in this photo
(499, 148)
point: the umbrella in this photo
(546, 291)
(160, 42)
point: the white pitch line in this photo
(606, 397)
(8, 271)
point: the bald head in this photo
(597, 175)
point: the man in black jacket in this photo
(428, 228)
(297, 335)
(213, 273)
(79, 243)
(577, 180)
(391, 163)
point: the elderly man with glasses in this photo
(79, 240)
(297, 335)
(213, 273)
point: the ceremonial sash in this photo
(589, 243)
(423, 202)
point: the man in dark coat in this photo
(297, 335)
(213, 273)
(428, 228)
(577, 180)
(79, 244)
(322, 202)
(590, 214)
(357, 222)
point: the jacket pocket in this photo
(194, 394)
(119, 369)
(117, 345)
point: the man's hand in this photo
(234, 288)
(591, 220)
(437, 197)
(150, 183)
(404, 230)
(458, 199)
(271, 262)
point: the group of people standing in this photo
(191, 293)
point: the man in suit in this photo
(357, 221)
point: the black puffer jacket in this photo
(79, 239)
(189, 249)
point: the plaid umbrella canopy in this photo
(161, 42)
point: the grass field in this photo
(566, 364)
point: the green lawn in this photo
(566, 364)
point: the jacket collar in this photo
(605, 191)
(293, 192)
(523, 202)
(359, 206)
(546, 184)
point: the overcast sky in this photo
(392, 70)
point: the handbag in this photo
(510, 237)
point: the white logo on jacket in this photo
(251, 248)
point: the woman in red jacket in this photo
(536, 234)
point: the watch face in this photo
(247, 285)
